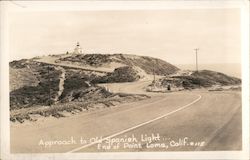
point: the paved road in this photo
(204, 120)
(212, 123)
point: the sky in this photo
(170, 35)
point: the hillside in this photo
(148, 64)
(52, 84)
(192, 80)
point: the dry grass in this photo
(74, 107)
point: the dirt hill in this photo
(49, 82)
(45, 89)
(66, 82)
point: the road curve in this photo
(171, 115)
(136, 126)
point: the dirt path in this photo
(138, 87)
(61, 83)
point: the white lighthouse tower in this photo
(78, 49)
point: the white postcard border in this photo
(28, 6)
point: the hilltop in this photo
(148, 64)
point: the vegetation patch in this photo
(121, 74)
(73, 107)
(201, 79)
(47, 80)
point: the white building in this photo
(78, 49)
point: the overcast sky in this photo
(171, 35)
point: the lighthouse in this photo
(78, 49)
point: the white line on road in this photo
(137, 126)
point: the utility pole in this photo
(196, 57)
(154, 70)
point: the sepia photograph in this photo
(125, 81)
